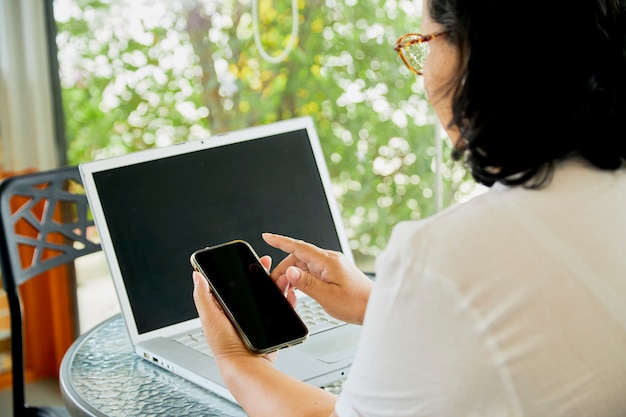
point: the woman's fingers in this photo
(301, 250)
(266, 261)
(205, 303)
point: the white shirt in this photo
(511, 304)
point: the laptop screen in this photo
(159, 211)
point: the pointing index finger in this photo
(303, 251)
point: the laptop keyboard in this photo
(195, 341)
(312, 314)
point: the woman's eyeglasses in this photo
(413, 49)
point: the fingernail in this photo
(293, 273)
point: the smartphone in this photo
(256, 307)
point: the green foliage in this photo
(140, 75)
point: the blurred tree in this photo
(142, 74)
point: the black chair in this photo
(53, 206)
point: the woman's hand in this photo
(218, 330)
(327, 276)
(260, 388)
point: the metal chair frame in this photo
(61, 237)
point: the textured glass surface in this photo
(108, 376)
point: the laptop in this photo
(153, 208)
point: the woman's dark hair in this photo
(538, 81)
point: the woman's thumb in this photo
(300, 279)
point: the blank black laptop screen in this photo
(159, 212)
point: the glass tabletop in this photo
(101, 376)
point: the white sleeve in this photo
(420, 352)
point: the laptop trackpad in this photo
(333, 346)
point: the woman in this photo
(513, 303)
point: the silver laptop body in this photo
(153, 208)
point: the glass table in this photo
(100, 375)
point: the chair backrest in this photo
(44, 223)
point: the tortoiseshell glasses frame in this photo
(413, 49)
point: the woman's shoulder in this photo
(490, 220)
(453, 220)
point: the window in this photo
(142, 74)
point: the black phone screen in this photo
(253, 302)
